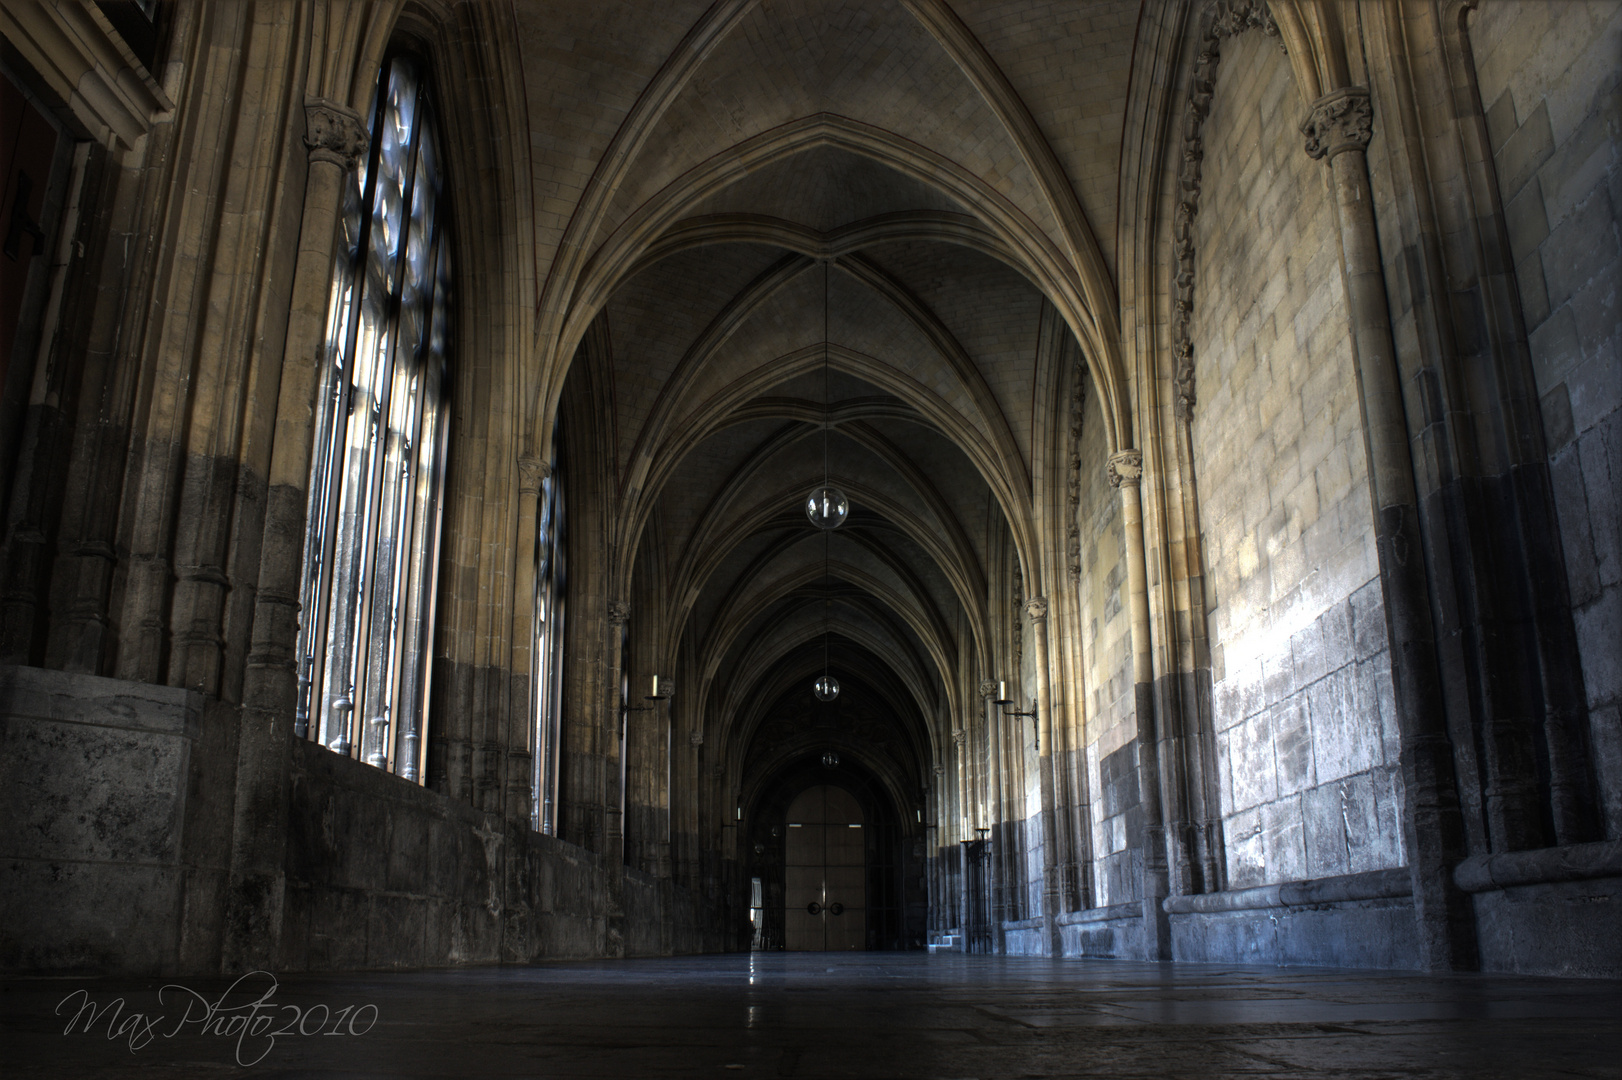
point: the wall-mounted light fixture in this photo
(660, 689)
(1003, 701)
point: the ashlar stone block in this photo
(1292, 744)
(1345, 733)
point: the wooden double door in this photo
(825, 872)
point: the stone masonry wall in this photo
(382, 873)
(116, 801)
(1112, 780)
(1551, 84)
(1306, 733)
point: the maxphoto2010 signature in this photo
(254, 1022)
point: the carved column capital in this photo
(334, 133)
(958, 737)
(532, 472)
(695, 738)
(1037, 608)
(619, 612)
(1340, 120)
(988, 687)
(1126, 468)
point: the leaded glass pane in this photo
(377, 464)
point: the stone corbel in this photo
(1341, 120)
(1125, 468)
(988, 687)
(334, 133)
(1037, 608)
(619, 613)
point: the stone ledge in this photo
(1542, 866)
(1133, 910)
(70, 697)
(1372, 885)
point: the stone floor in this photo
(822, 1016)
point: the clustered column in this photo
(336, 138)
(1338, 129)
(1125, 470)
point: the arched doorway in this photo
(894, 902)
(825, 871)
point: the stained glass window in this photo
(377, 472)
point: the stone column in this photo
(613, 817)
(964, 905)
(938, 897)
(336, 138)
(997, 874)
(1338, 129)
(1037, 609)
(1125, 470)
(687, 844)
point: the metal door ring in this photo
(836, 908)
(814, 908)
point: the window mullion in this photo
(435, 519)
(413, 524)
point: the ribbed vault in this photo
(827, 238)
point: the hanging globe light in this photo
(827, 507)
(827, 688)
(830, 760)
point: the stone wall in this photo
(1551, 86)
(1306, 734)
(383, 873)
(116, 798)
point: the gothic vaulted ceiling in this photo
(809, 229)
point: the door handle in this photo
(836, 908)
(814, 908)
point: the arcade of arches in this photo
(1226, 393)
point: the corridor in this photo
(832, 1015)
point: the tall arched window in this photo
(378, 469)
(547, 678)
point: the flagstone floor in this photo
(818, 1015)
